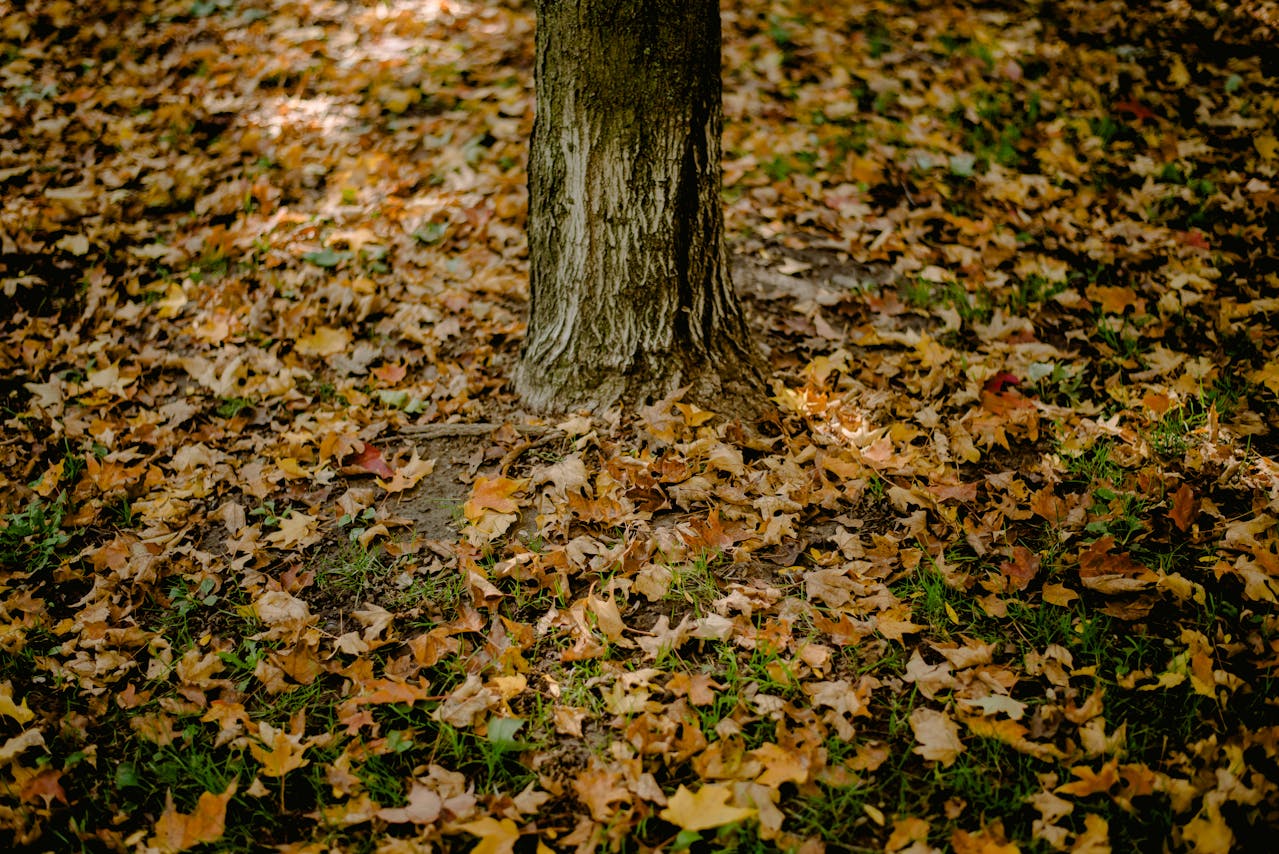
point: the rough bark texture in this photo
(630, 290)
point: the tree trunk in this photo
(630, 293)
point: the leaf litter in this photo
(285, 565)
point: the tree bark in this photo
(630, 292)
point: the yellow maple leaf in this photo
(496, 837)
(18, 711)
(325, 341)
(706, 808)
(1208, 832)
(278, 750)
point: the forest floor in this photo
(284, 565)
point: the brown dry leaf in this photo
(937, 735)
(1185, 507)
(930, 679)
(909, 836)
(780, 765)
(325, 341)
(45, 785)
(1059, 595)
(1095, 838)
(175, 831)
(895, 623)
(296, 531)
(408, 475)
(599, 788)
(423, 807)
(1107, 571)
(464, 706)
(706, 808)
(607, 616)
(1021, 569)
(283, 613)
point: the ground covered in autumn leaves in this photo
(283, 563)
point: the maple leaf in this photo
(1091, 782)
(278, 750)
(908, 835)
(282, 612)
(422, 806)
(599, 788)
(1021, 569)
(937, 734)
(780, 765)
(19, 712)
(175, 831)
(496, 836)
(492, 494)
(297, 531)
(1014, 735)
(706, 808)
(988, 841)
(367, 459)
(408, 475)
(46, 785)
(1107, 571)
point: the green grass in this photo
(33, 539)
(695, 582)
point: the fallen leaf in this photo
(937, 736)
(422, 806)
(494, 494)
(1185, 507)
(706, 808)
(367, 459)
(175, 831)
(325, 341)
(278, 751)
(496, 836)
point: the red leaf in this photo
(997, 383)
(368, 459)
(1021, 569)
(1136, 109)
(1197, 239)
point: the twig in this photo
(480, 428)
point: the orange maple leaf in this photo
(175, 831)
(495, 494)
(1091, 782)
